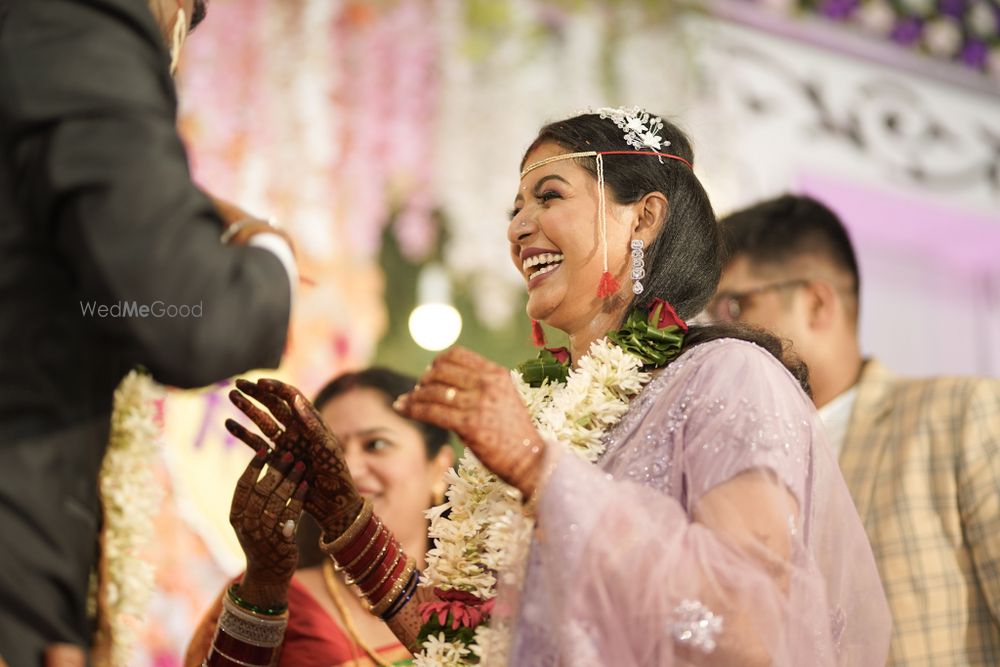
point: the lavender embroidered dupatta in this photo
(715, 530)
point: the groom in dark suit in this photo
(109, 258)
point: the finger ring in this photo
(449, 394)
(288, 529)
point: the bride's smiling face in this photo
(555, 240)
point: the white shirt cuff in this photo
(276, 244)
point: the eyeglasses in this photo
(729, 306)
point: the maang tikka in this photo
(638, 266)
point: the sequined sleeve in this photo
(744, 412)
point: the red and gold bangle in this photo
(377, 568)
(369, 567)
(351, 565)
(386, 600)
(383, 588)
(361, 566)
(393, 559)
(346, 539)
(368, 533)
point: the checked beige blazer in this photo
(922, 460)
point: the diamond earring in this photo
(638, 266)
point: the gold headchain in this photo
(556, 158)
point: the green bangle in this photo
(263, 611)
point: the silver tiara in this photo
(642, 129)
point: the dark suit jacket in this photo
(97, 208)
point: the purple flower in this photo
(907, 30)
(838, 10)
(954, 8)
(974, 53)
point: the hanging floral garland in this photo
(125, 580)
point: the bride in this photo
(680, 505)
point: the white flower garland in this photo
(485, 532)
(130, 498)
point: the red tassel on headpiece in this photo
(537, 334)
(608, 286)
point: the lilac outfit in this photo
(715, 529)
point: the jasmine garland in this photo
(485, 532)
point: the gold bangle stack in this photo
(375, 536)
(382, 605)
(375, 562)
(345, 538)
(388, 573)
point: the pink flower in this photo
(668, 316)
(560, 353)
(465, 608)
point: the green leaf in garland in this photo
(551, 365)
(654, 345)
(655, 338)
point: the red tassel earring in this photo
(537, 334)
(608, 285)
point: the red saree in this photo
(313, 638)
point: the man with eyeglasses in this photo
(921, 456)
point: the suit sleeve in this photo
(978, 484)
(99, 162)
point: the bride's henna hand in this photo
(477, 399)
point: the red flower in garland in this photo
(668, 316)
(465, 608)
(560, 353)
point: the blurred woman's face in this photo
(555, 240)
(387, 459)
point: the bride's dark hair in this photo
(684, 262)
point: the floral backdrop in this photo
(966, 32)
(384, 135)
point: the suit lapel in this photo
(864, 443)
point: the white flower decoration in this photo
(635, 125)
(652, 140)
(642, 129)
(981, 20)
(876, 16)
(130, 498)
(943, 37)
